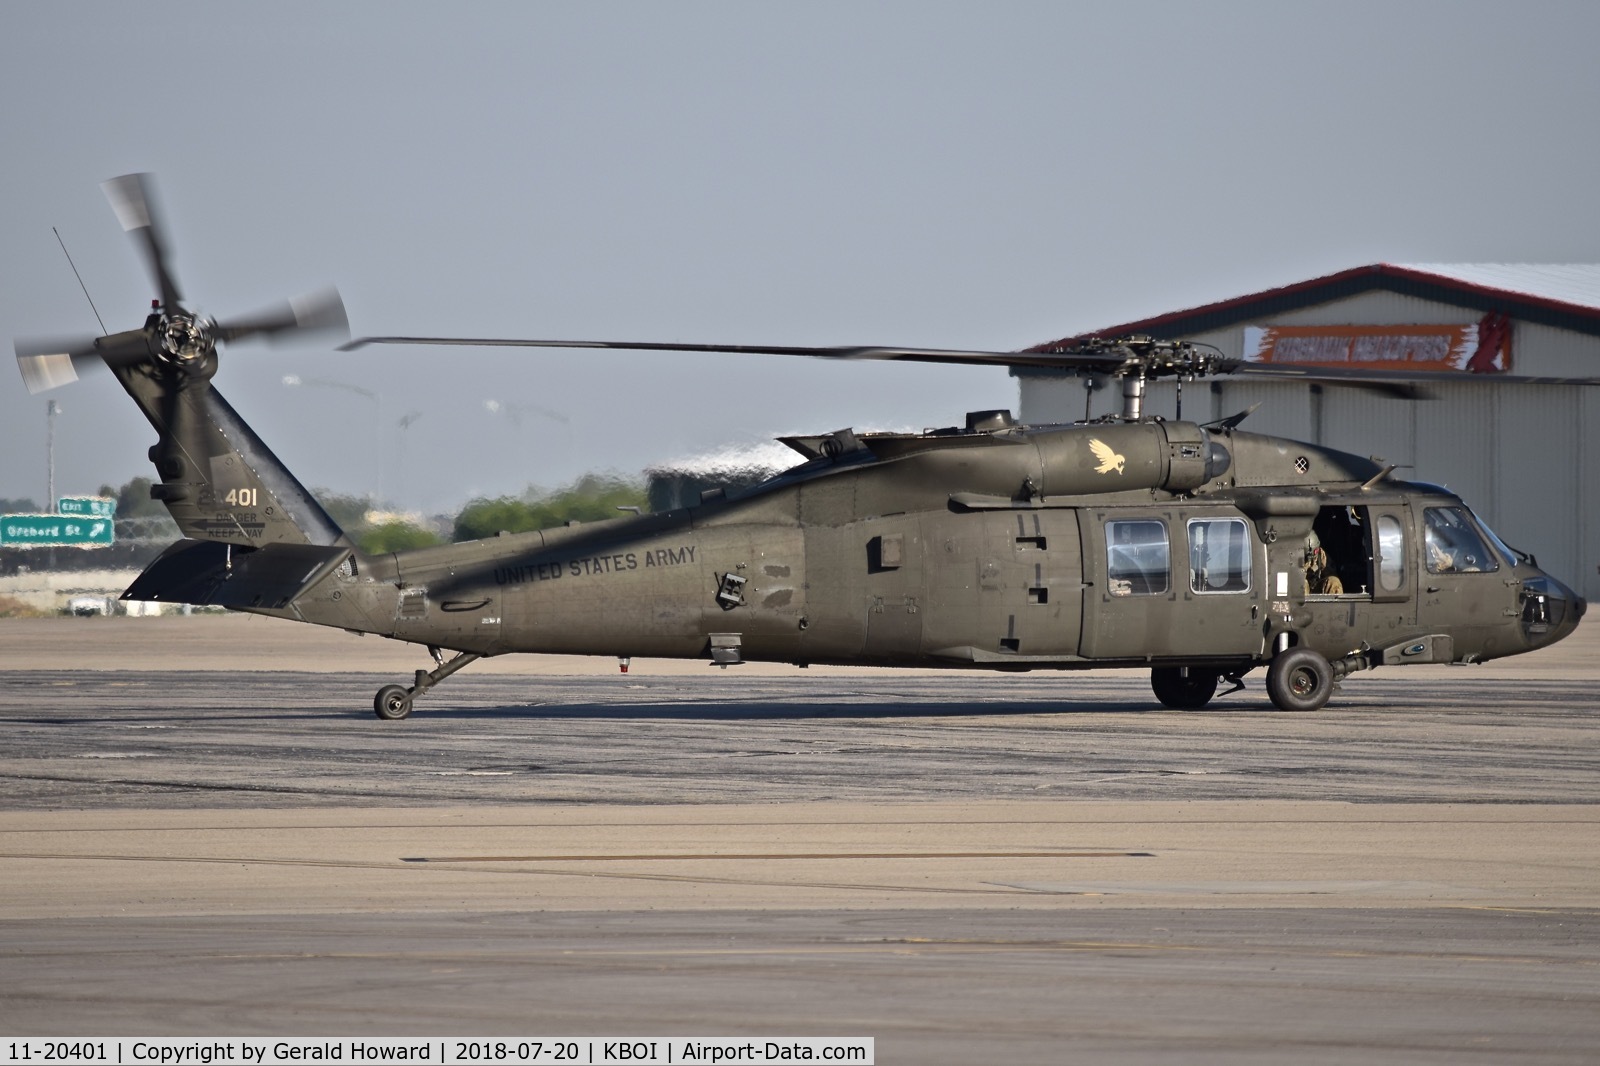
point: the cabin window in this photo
(1137, 557)
(1219, 555)
(1451, 543)
(1391, 553)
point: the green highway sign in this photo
(53, 531)
(81, 506)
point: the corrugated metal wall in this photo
(1537, 492)
(1519, 454)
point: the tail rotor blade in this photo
(53, 362)
(132, 197)
(321, 311)
(49, 366)
(41, 373)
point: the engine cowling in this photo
(1175, 456)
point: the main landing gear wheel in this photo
(1299, 679)
(392, 703)
(1183, 688)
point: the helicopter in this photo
(1198, 552)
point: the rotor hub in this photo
(185, 341)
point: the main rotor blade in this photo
(317, 312)
(1357, 376)
(1101, 363)
(1135, 356)
(51, 363)
(132, 197)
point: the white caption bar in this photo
(437, 1051)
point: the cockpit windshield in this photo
(1512, 555)
(1452, 544)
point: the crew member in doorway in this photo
(1320, 578)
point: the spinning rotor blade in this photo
(132, 197)
(51, 363)
(320, 311)
(1133, 356)
(1335, 375)
(1402, 386)
(175, 346)
(1094, 362)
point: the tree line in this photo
(590, 498)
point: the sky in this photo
(921, 174)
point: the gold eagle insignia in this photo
(1109, 459)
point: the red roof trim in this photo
(1376, 272)
(1446, 281)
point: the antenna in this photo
(81, 285)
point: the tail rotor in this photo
(174, 345)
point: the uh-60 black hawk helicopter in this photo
(1198, 551)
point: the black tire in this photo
(392, 703)
(1183, 688)
(1299, 680)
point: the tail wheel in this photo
(1183, 688)
(392, 703)
(1299, 679)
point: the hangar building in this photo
(1525, 456)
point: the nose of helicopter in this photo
(1550, 610)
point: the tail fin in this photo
(218, 479)
(256, 540)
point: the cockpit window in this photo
(1451, 543)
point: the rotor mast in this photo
(1133, 383)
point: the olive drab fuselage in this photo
(1197, 551)
(1105, 544)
